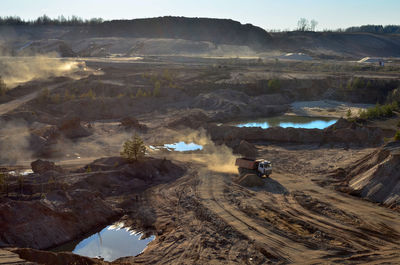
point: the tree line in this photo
(379, 29)
(302, 25)
(46, 20)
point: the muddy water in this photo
(111, 243)
(286, 121)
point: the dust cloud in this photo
(99, 144)
(14, 142)
(17, 70)
(217, 158)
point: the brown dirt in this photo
(202, 216)
(206, 218)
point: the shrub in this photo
(3, 87)
(394, 96)
(4, 183)
(139, 93)
(134, 149)
(397, 136)
(44, 95)
(348, 114)
(156, 91)
(274, 85)
(20, 181)
(356, 83)
(56, 98)
(379, 111)
(90, 94)
(68, 96)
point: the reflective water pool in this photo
(290, 121)
(182, 146)
(111, 243)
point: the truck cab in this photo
(264, 168)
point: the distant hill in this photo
(219, 31)
(181, 35)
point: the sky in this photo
(268, 14)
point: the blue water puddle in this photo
(182, 146)
(111, 243)
(290, 121)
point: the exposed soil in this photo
(305, 212)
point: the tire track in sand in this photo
(210, 191)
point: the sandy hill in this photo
(181, 35)
(377, 176)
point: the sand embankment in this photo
(326, 108)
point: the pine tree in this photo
(134, 149)
(156, 91)
(139, 93)
(348, 114)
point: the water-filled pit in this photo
(179, 147)
(112, 242)
(286, 121)
(183, 147)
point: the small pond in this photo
(182, 146)
(111, 243)
(286, 121)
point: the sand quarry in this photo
(332, 196)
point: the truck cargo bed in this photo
(246, 163)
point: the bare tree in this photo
(302, 24)
(313, 24)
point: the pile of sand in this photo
(376, 177)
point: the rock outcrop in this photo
(41, 166)
(72, 128)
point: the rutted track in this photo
(304, 227)
(211, 191)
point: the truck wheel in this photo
(259, 174)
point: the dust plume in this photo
(218, 158)
(17, 70)
(14, 142)
(101, 143)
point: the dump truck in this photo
(260, 167)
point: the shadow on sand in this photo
(273, 186)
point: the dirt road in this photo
(306, 224)
(297, 221)
(13, 104)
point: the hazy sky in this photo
(268, 14)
